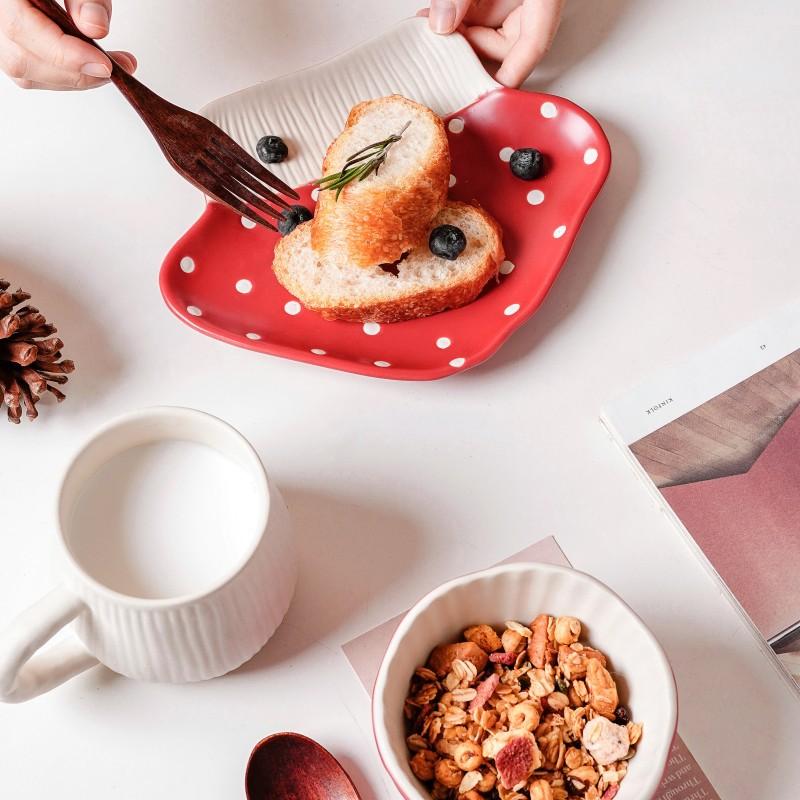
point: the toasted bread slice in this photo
(424, 284)
(378, 219)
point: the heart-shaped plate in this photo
(218, 278)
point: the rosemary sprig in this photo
(361, 165)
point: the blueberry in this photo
(272, 149)
(292, 217)
(621, 715)
(526, 163)
(447, 241)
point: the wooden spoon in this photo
(288, 766)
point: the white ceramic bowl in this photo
(520, 592)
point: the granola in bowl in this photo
(517, 713)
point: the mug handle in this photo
(24, 673)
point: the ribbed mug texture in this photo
(202, 638)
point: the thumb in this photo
(93, 17)
(446, 15)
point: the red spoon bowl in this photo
(290, 766)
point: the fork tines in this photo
(236, 178)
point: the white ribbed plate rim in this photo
(308, 108)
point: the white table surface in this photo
(395, 486)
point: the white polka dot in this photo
(382, 364)
(372, 328)
(548, 110)
(292, 307)
(590, 156)
(315, 193)
(248, 223)
(512, 309)
(194, 311)
(443, 343)
(456, 125)
(317, 352)
(506, 153)
(559, 231)
(506, 267)
(458, 362)
(536, 197)
(452, 181)
(187, 264)
(244, 286)
(253, 336)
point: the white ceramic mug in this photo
(158, 594)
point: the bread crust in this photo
(407, 303)
(372, 222)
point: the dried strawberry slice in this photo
(485, 690)
(514, 762)
(503, 658)
(611, 792)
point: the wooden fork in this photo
(200, 151)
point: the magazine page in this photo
(683, 778)
(717, 438)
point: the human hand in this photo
(515, 33)
(36, 54)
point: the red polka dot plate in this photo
(218, 278)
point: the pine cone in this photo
(29, 361)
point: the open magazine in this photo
(717, 438)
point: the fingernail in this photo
(126, 61)
(442, 16)
(94, 15)
(96, 70)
